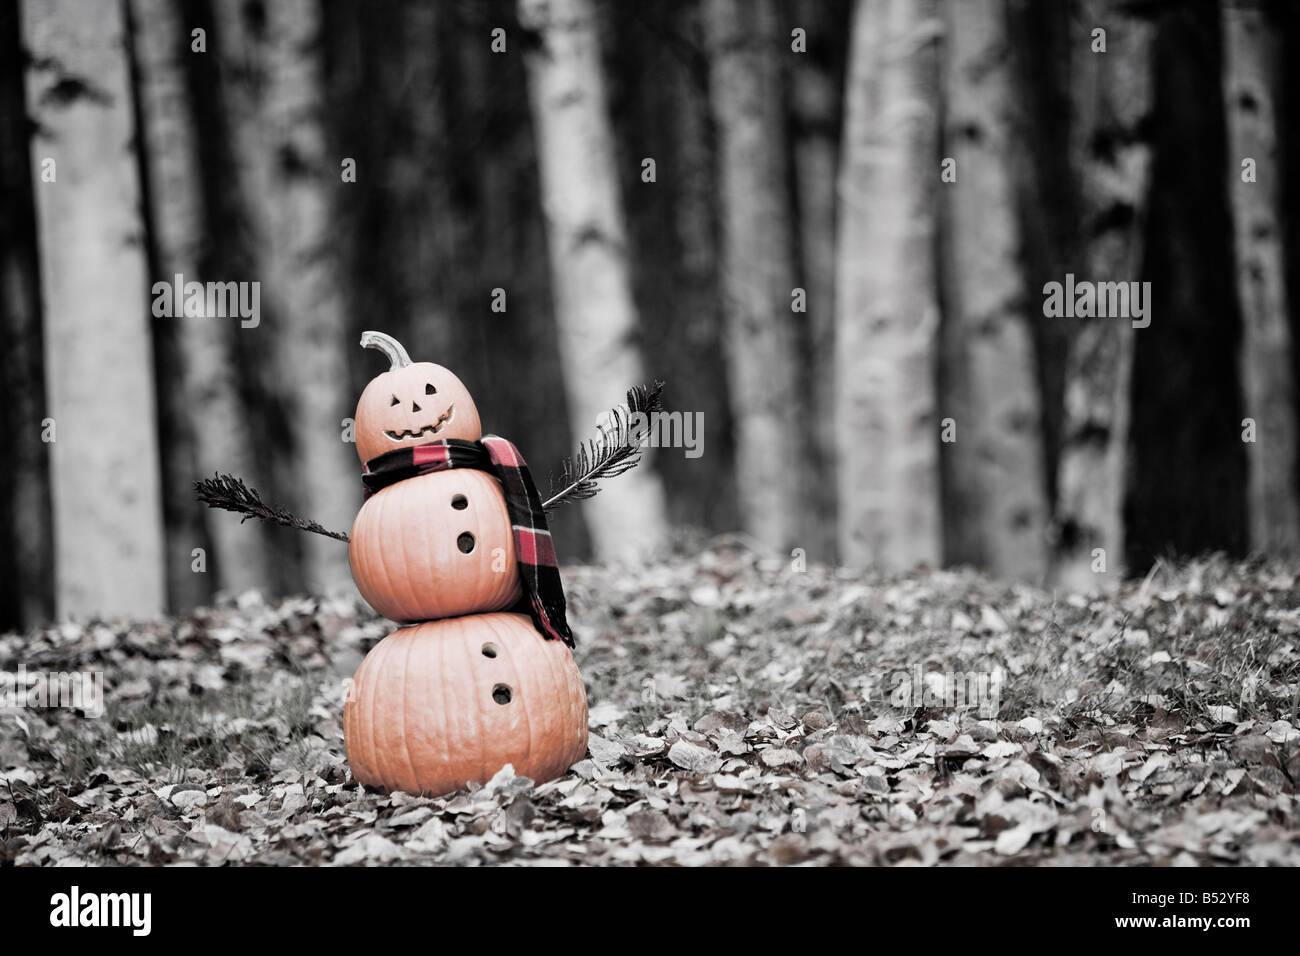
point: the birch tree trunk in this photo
(1252, 98)
(595, 313)
(886, 316)
(26, 560)
(1111, 145)
(108, 535)
(997, 493)
(768, 405)
(287, 185)
(207, 392)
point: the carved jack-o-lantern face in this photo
(410, 404)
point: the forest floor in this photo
(741, 712)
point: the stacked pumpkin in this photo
(467, 685)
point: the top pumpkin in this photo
(410, 404)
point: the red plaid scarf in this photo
(538, 572)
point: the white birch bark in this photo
(768, 404)
(886, 316)
(997, 469)
(99, 367)
(595, 313)
(1113, 100)
(1252, 96)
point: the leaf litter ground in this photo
(742, 712)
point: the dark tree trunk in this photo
(1046, 202)
(673, 231)
(1188, 492)
(816, 83)
(26, 557)
(169, 184)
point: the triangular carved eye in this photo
(394, 401)
(429, 390)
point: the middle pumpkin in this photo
(435, 546)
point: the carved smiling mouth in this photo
(433, 429)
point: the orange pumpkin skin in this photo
(397, 410)
(421, 715)
(406, 554)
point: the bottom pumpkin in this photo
(437, 705)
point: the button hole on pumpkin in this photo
(501, 694)
(489, 650)
(465, 542)
(460, 502)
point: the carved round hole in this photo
(465, 542)
(489, 650)
(501, 694)
(460, 502)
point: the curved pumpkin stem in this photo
(389, 346)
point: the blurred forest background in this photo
(827, 224)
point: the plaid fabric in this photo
(535, 554)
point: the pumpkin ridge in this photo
(420, 541)
(503, 580)
(484, 772)
(417, 542)
(438, 745)
(380, 504)
(474, 724)
(564, 683)
(425, 707)
(472, 710)
(394, 774)
(409, 602)
(552, 727)
(380, 762)
(534, 692)
(406, 740)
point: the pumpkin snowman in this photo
(451, 541)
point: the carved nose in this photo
(415, 407)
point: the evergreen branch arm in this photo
(613, 451)
(231, 494)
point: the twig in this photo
(231, 494)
